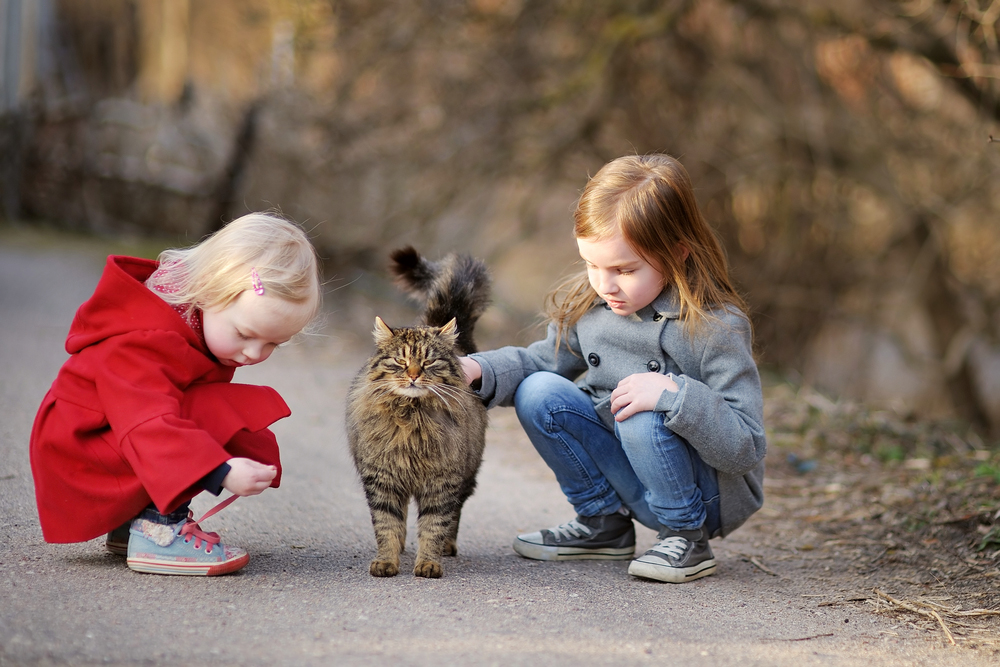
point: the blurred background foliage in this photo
(842, 149)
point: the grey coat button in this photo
(657, 317)
(653, 366)
(594, 359)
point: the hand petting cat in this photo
(473, 371)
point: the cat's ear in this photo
(450, 331)
(382, 331)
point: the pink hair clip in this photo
(258, 286)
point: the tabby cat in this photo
(415, 428)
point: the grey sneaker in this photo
(117, 540)
(679, 556)
(610, 537)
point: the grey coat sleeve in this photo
(721, 414)
(506, 367)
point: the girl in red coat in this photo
(143, 415)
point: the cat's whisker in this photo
(447, 395)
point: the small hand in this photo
(638, 393)
(248, 477)
(473, 371)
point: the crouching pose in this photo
(142, 416)
(644, 399)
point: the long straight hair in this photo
(649, 200)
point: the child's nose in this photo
(606, 284)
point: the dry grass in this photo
(896, 513)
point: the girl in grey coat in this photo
(644, 397)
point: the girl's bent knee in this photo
(642, 426)
(539, 389)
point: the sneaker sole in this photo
(117, 548)
(195, 569)
(543, 552)
(673, 575)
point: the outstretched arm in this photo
(473, 371)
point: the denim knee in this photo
(539, 393)
(681, 488)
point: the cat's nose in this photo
(413, 371)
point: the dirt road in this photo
(306, 597)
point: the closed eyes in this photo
(621, 272)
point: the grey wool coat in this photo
(718, 408)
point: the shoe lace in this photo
(571, 529)
(191, 529)
(672, 547)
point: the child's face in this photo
(248, 330)
(622, 278)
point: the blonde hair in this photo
(649, 200)
(215, 271)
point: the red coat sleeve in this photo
(173, 411)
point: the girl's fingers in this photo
(624, 413)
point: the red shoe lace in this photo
(192, 529)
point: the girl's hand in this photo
(639, 393)
(473, 371)
(248, 477)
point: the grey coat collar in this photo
(667, 305)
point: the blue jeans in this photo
(642, 464)
(152, 514)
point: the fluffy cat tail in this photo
(457, 286)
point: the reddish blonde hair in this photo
(649, 200)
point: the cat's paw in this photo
(428, 568)
(384, 568)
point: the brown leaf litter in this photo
(894, 512)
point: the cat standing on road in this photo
(415, 428)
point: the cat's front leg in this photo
(434, 538)
(386, 563)
(389, 521)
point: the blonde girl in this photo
(143, 415)
(644, 398)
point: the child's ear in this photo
(683, 251)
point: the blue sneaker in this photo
(180, 548)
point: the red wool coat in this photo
(140, 411)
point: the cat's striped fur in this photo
(415, 428)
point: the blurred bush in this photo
(841, 148)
